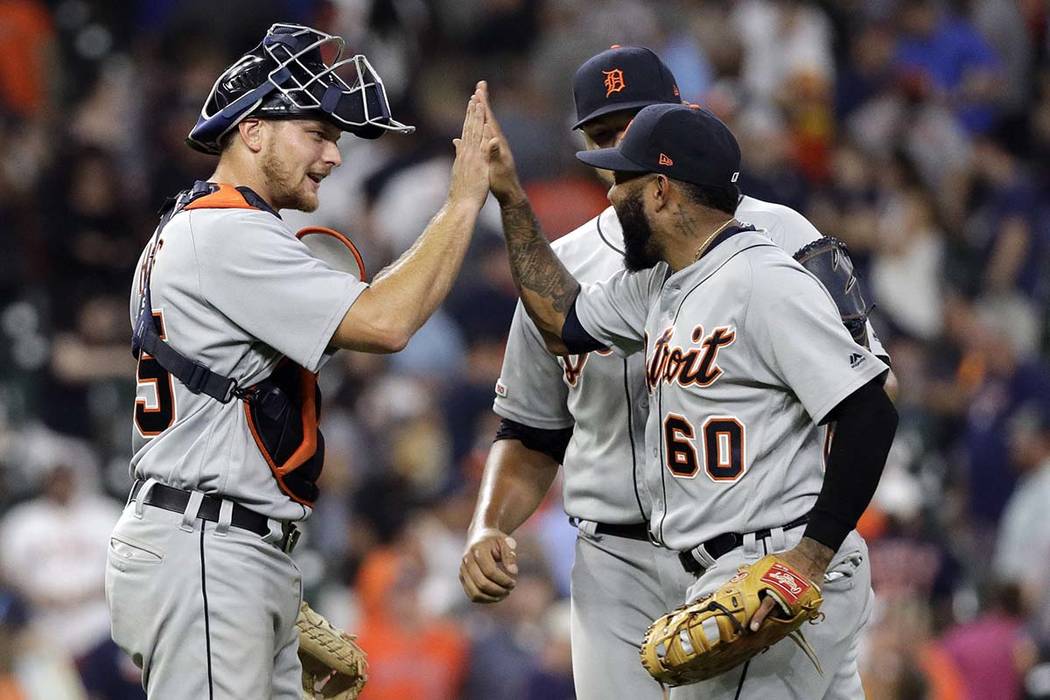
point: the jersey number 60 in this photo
(723, 445)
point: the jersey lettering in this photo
(154, 417)
(573, 365)
(724, 444)
(696, 366)
(724, 448)
(679, 450)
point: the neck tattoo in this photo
(703, 246)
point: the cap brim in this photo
(610, 159)
(614, 107)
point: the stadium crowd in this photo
(918, 131)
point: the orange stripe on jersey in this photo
(226, 197)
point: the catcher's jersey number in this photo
(152, 417)
(722, 444)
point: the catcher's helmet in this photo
(286, 76)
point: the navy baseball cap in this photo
(621, 78)
(683, 142)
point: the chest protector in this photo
(283, 410)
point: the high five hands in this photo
(503, 176)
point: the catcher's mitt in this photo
(828, 260)
(334, 667)
(709, 636)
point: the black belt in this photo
(634, 531)
(176, 500)
(721, 545)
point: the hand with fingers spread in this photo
(489, 568)
(503, 176)
(470, 170)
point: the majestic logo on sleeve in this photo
(614, 81)
(695, 366)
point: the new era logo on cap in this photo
(705, 151)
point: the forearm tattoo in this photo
(532, 261)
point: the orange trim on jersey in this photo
(226, 197)
(342, 238)
(306, 450)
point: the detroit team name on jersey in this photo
(572, 365)
(693, 367)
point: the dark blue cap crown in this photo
(683, 142)
(621, 78)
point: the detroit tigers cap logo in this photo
(614, 81)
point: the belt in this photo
(177, 500)
(634, 531)
(699, 559)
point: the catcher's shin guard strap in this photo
(702, 557)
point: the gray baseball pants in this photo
(206, 610)
(619, 586)
(784, 671)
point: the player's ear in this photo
(251, 133)
(660, 191)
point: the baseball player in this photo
(745, 356)
(233, 317)
(588, 412)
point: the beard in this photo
(286, 189)
(640, 251)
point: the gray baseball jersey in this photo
(235, 290)
(603, 393)
(745, 355)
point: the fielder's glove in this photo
(334, 667)
(709, 636)
(828, 260)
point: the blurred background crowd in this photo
(916, 130)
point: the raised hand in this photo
(503, 176)
(489, 568)
(470, 170)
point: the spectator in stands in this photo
(1024, 532)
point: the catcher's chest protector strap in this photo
(282, 411)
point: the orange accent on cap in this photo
(614, 81)
(674, 89)
(615, 46)
(664, 160)
(226, 197)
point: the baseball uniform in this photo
(619, 583)
(207, 609)
(746, 355)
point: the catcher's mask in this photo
(287, 76)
